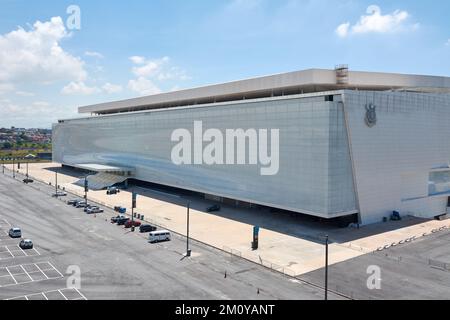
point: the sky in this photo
(57, 55)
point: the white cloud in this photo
(343, 29)
(143, 86)
(79, 88)
(111, 88)
(149, 68)
(6, 87)
(137, 59)
(376, 22)
(448, 43)
(25, 94)
(150, 73)
(94, 54)
(38, 115)
(41, 104)
(36, 55)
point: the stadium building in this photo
(340, 143)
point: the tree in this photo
(7, 146)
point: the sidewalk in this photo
(293, 254)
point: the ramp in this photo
(102, 180)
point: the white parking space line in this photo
(16, 251)
(63, 294)
(4, 223)
(9, 253)
(55, 269)
(77, 295)
(26, 273)
(42, 271)
(15, 276)
(10, 274)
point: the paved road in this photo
(406, 271)
(116, 264)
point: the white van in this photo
(158, 236)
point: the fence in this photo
(439, 264)
(267, 264)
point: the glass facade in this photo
(439, 183)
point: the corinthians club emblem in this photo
(371, 115)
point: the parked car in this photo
(59, 194)
(81, 204)
(15, 233)
(73, 202)
(147, 228)
(121, 210)
(77, 202)
(132, 223)
(112, 190)
(158, 236)
(114, 219)
(94, 210)
(121, 221)
(26, 244)
(213, 208)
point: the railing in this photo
(439, 265)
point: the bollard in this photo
(142, 217)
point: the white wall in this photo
(393, 159)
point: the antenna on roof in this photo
(341, 74)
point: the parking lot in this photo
(115, 263)
(419, 269)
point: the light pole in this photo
(14, 170)
(56, 183)
(133, 206)
(188, 251)
(86, 188)
(326, 268)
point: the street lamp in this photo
(56, 183)
(133, 206)
(188, 251)
(86, 188)
(326, 268)
(14, 170)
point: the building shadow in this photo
(293, 224)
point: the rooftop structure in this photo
(298, 82)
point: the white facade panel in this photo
(393, 160)
(314, 177)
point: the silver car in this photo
(15, 233)
(93, 210)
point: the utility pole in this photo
(188, 251)
(326, 268)
(56, 183)
(133, 206)
(86, 188)
(14, 170)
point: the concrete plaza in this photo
(293, 245)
